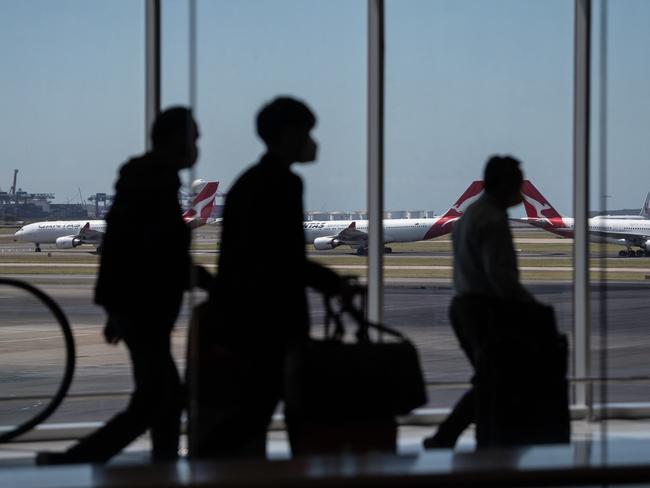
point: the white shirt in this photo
(484, 258)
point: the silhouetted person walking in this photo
(143, 274)
(485, 267)
(259, 294)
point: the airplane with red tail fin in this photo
(628, 231)
(199, 213)
(330, 234)
(68, 234)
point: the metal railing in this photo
(14, 431)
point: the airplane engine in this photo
(325, 243)
(646, 245)
(68, 242)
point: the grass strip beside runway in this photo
(541, 257)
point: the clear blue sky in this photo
(464, 79)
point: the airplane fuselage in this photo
(395, 230)
(49, 232)
(600, 229)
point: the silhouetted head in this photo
(174, 135)
(284, 125)
(502, 179)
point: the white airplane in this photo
(68, 234)
(329, 234)
(629, 231)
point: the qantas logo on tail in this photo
(472, 194)
(445, 223)
(202, 204)
(538, 208)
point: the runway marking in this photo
(59, 336)
(350, 267)
(20, 330)
(24, 331)
(49, 265)
(522, 268)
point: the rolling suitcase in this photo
(521, 378)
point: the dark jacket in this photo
(263, 271)
(145, 253)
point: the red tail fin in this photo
(202, 205)
(537, 207)
(444, 224)
(470, 195)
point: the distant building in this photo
(363, 215)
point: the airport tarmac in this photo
(31, 354)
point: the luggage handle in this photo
(363, 324)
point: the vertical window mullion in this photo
(581, 316)
(375, 159)
(152, 66)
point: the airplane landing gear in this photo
(388, 250)
(38, 247)
(622, 253)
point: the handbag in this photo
(331, 379)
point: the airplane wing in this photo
(351, 235)
(87, 235)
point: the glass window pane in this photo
(73, 110)
(466, 80)
(251, 52)
(619, 189)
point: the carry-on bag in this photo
(521, 378)
(345, 395)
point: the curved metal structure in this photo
(69, 359)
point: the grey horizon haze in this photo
(464, 79)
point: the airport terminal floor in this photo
(587, 461)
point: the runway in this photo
(30, 352)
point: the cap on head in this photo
(281, 113)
